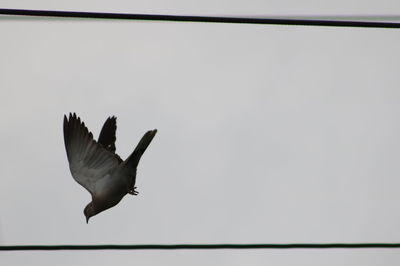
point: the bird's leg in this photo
(133, 191)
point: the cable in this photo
(377, 18)
(201, 246)
(208, 19)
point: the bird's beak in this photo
(87, 219)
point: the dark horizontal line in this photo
(202, 246)
(207, 19)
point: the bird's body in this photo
(97, 167)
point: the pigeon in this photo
(97, 167)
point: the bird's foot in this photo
(133, 191)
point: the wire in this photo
(381, 18)
(207, 19)
(201, 246)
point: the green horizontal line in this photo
(201, 246)
(204, 19)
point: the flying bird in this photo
(96, 166)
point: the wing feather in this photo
(107, 134)
(88, 160)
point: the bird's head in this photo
(89, 211)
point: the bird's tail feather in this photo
(134, 158)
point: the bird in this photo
(96, 166)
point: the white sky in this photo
(267, 134)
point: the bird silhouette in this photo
(97, 167)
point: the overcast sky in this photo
(267, 134)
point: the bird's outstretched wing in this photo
(88, 160)
(107, 135)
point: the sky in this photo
(266, 134)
